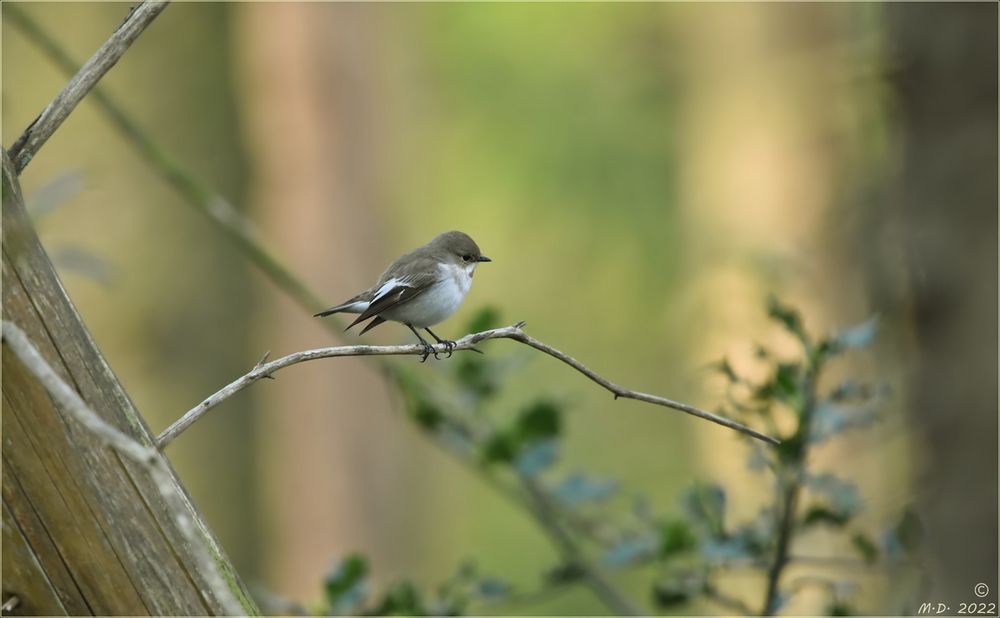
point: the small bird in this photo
(420, 289)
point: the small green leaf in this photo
(850, 390)
(499, 448)
(830, 420)
(865, 546)
(676, 537)
(564, 574)
(783, 385)
(539, 421)
(477, 375)
(790, 449)
(706, 504)
(485, 319)
(345, 585)
(492, 589)
(670, 594)
(579, 488)
(427, 415)
(820, 514)
(725, 369)
(630, 550)
(536, 457)
(402, 599)
(787, 316)
(725, 548)
(858, 336)
(786, 379)
(842, 494)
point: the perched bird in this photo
(420, 289)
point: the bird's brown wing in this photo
(394, 292)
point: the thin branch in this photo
(150, 458)
(42, 127)
(624, 393)
(790, 486)
(468, 342)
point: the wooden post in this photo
(85, 531)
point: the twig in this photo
(42, 127)
(790, 485)
(150, 458)
(468, 342)
(545, 514)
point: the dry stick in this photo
(42, 127)
(150, 458)
(468, 342)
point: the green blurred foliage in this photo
(692, 553)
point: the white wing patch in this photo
(389, 286)
(356, 307)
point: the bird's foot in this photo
(449, 346)
(428, 350)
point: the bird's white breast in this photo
(439, 302)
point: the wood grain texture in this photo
(89, 530)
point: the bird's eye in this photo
(466, 258)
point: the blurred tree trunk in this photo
(84, 530)
(328, 443)
(946, 86)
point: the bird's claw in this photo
(449, 347)
(428, 350)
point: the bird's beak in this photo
(483, 258)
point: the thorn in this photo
(616, 396)
(475, 349)
(520, 325)
(263, 359)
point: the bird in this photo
(420, 289)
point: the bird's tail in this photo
(352, 306)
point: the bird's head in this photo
(459, 249)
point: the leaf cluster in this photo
(690, 549)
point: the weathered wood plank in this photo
(41, 592)
(91, 521)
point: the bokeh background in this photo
(643, 176)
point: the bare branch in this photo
(468, 342)
(42, 127)
(151, 458)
